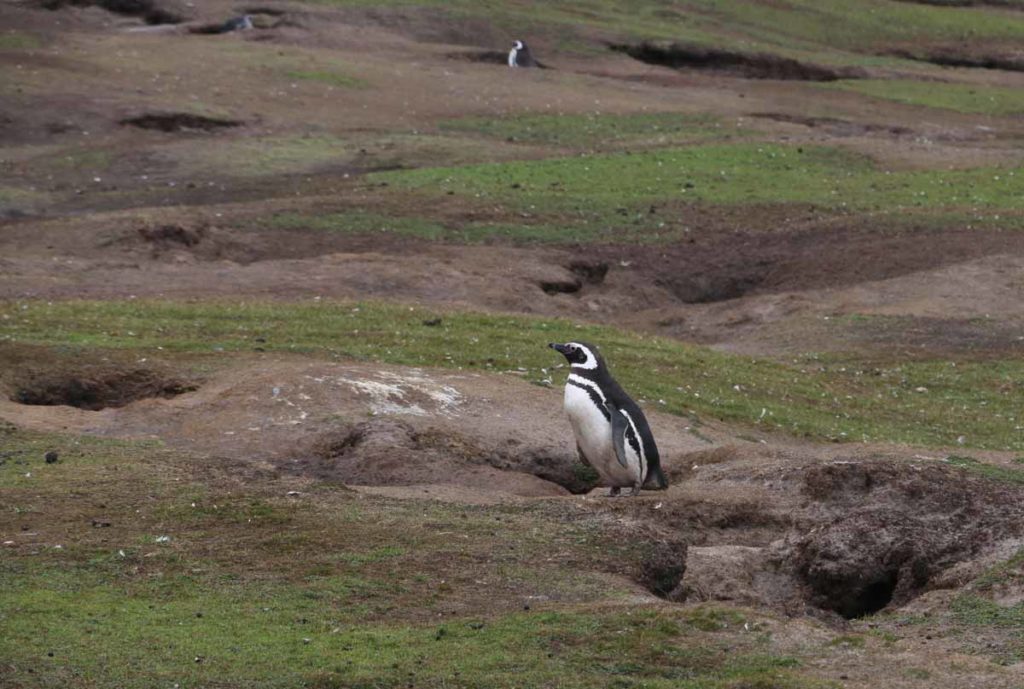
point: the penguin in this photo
(243, 23)
(611, 431)
(520, 56)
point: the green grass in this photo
(967, 98)
(360, 222)
(281, 636)
(601, 187)
(331, 78)
(597, 131)
(831, 399)
(22, 199)
(992, 471)
(976, 610)
(16, 40)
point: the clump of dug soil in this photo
(391, 452)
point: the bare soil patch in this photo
(804, 253)
(749, 65)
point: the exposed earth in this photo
(410, 481)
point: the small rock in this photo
(51, 457)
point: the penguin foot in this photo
(635, 492)
(613, 492)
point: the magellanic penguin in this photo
(611, 431)
(520, 56)
(243, 23)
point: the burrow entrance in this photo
(750, 65)
(149, 11)
(954, 58)
(179, 122)
(96, 388)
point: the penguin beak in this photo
(557, 347)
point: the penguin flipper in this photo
(618, 432)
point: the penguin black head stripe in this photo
(611, 431)
(579, 354)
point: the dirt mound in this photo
(150, 11)
(96, 388)
(178, 122)
(201, 242)
(589, 272)
(392, 452)
(172, 234)
(708, 288)
(750, 65)
(887, 530)
(862, 536)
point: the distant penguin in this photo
(520, 56)
(242, 23)
(611, 431)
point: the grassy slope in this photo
(797, 26)
(607, 196)
(967, 98)
(721, 174)
(835, 399)
(252, 588)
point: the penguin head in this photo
(579, 354)
(518, 45)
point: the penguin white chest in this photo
(593, 431)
